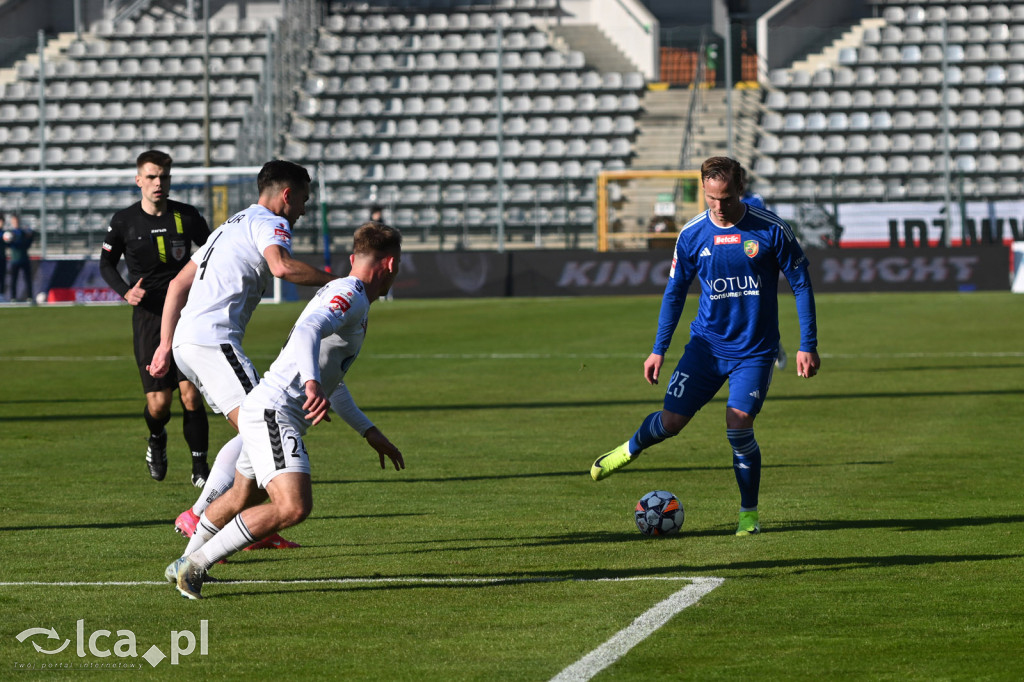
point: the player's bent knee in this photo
(672, 422)
(294, 512)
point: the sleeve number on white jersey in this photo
(676, 385)
(206, 258)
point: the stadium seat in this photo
(857, 144)
(812, 144)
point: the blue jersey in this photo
(738, 268)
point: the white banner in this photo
(883, 224)
(1017, 258)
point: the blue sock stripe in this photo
(746, 462)
(655, 426)
(651, 432)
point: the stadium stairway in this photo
(662, 128)
(602, 54)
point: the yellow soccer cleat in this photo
(610, 462)
(748, 524)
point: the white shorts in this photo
(271, 445)
(222, 373)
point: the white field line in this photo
(641, 628)
(584, 669)
(350, 581)
(534, 356)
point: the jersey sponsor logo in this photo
(705, 252)
(283, 235)
(733, 287)
(750, 247)
(107, 247)
(727, 239)
(341, 303)
(672, 270)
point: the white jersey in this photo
(322, 345)
(231, 278)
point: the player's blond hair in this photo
(376, 238)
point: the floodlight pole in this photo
(500, 119)
(946, 161)
(208, 190)
(728, 87)
(42, 144)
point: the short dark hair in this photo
(374, 237)
(154, 156)
(722, 168)
(280, 174)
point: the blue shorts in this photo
(699, 375)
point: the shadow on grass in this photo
(580, 473)
(420, 547)
(169, 522)
(422, 581)
(549, 405)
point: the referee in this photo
(155, 235)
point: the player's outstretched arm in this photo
(807, 363)
(379, 442)
(283, 266)
(177, 294)
(652, 368)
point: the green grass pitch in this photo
(893, 543)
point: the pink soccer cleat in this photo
(186, 522)
(274, 541)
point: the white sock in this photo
(222, 474)
(232, 538)
(204, 531)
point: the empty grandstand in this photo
(484, 123)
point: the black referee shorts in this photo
(146, 336)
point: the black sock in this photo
(196, 427)
(156, 426)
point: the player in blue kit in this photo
(737, 252)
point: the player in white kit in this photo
(292, 396)
(209, 303)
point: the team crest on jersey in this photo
(750, 247)
(727, 239)
(179, 249)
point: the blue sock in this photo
(746, 463)
(651, 432)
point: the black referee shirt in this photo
(155, 248)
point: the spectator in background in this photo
(377, 213)
(3, 259)
(20, 241)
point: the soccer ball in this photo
(659, 513)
